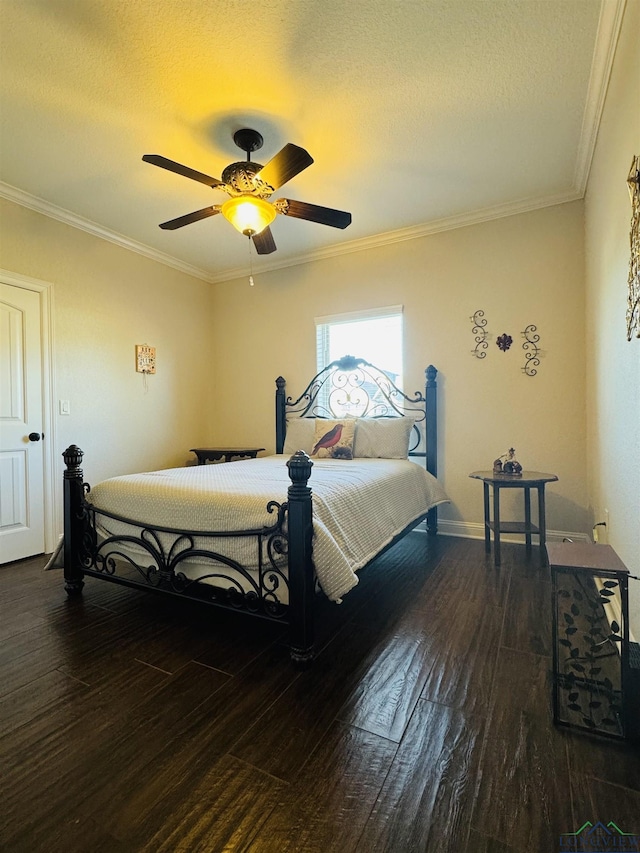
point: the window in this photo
(374, 335)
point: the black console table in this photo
(595, 684)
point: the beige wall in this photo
(519, 270)
(106, 300)
(613, 363)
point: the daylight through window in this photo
(375, 335)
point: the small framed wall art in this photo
(145, 358)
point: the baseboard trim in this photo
(475, 530)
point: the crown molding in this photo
(54, 212)
(609, 25)
(450, 223)
(415, 232)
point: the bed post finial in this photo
(431, 396)
(72, 458)
(73, 490)
(301, 571)
(281, 413)
(300, 466)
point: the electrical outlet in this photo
(600, 532)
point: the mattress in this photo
(359, 506)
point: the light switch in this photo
(65, 407)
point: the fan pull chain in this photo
(250, 265)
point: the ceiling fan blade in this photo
(264, 242)
(313, 212)
(179, 169)
(188, 218)
(286, 164)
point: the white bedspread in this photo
(358, 505)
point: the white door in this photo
(21, 414)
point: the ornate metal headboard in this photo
(355, 387)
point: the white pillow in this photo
(382, 438)
(300, 433)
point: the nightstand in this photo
(213, 454)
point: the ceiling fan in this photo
(249, 186)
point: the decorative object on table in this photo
(504, 342)
(480, 331)
(590, 639)
(512, 466)
(633, 303)
(530, 345)
(508, 464)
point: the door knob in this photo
(34, 436)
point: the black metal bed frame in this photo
(284, 549)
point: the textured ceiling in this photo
(419, 114)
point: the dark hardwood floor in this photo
(130, 723)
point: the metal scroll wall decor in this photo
(633, 304)
(504, 342)
(480, 331)
(532, 350)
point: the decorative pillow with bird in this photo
(333, 439)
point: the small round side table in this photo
(527, 481)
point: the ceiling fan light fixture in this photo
(248, 214)
(250, 185)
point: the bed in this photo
(354, 470)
